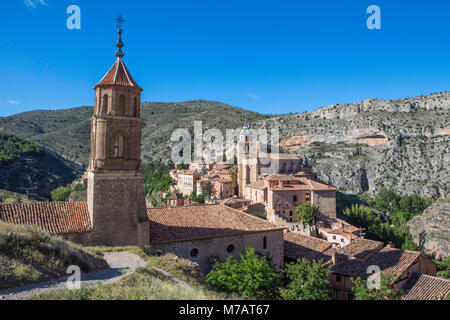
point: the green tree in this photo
(60, 194)
(386, 200)
(385, 292)
(306, 212)
(207, 189)
(308, 281)
(253, 276)
(361, 216)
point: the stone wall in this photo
(208, 249)
(117, 208)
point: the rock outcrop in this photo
(430, 230)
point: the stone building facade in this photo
(205, 233)
(256, 159)
(282, 193)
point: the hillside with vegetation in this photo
(28, 255)
(30, 170)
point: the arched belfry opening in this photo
(118, 147)
(105, 104)
(122, 106)
(136, 107)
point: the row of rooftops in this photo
(354, 259)
(169, 224)
(289, 182)
(209, 221)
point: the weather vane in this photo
(120, 21)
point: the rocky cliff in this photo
(430, 230)
(399, 144)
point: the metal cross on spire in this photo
(120, 21)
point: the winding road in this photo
(120, 264)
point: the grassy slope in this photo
(145, 283)
(9, 197)
(31, 256)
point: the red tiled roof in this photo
(360, 248)
(424, 287)
(204, 221)
(299, 246)
(118, 75)
(392, 262)
(52, 217)
(258, 184)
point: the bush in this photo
(308, 281)
(306, 212)
(60, 194)
(385, 292)
(253, 276)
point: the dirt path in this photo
(120, 264)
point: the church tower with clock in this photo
(116, 199)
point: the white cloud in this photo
(254, 96)
(33, 3)
(12, 102)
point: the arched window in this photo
(118, 147)
(105, 104)
(136, 111)
(122, 105)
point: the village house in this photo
(283, 193)
(205, 233)
(338, 232)
(187, 181)
(175, 200)
(354, 260)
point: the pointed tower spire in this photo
(120, 21)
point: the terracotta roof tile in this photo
(392, 262)
(360, 248)
(424, 287)
(52, 217)
(118, 75)
(205, 221)
(299, 246)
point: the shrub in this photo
(253, 276)
(60, 194)
(308, 281)
(306, 212)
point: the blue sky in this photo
(268, 56)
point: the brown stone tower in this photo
(116, 198)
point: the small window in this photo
(336, 293)
(230, 248)
(342, 239)
(338, 278)
(294, 199)
(265, 242)
(334, 237)
(290, 213)
(194, 253)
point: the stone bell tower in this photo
(116, 197)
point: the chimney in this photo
(390, 245)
